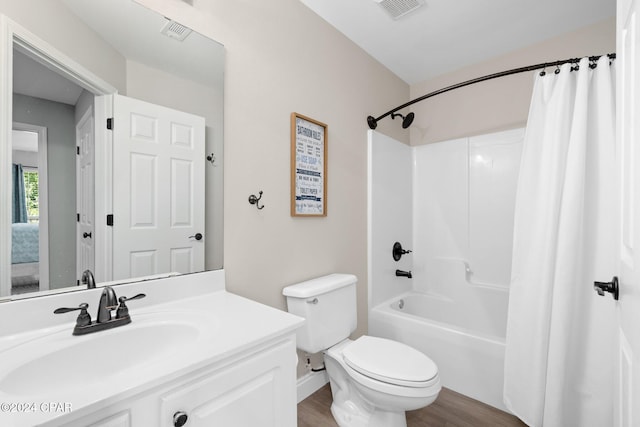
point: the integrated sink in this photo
(56, 362)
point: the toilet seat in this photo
(390, 362)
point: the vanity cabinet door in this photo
(259, 390)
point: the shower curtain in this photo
(560, 333)
(19, 201)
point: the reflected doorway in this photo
(29, 243)
(44, 98)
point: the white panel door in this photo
(627, 409)
(85, 192)
(158, 200)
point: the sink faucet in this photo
(108, 302)
(88, 279)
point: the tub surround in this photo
(236, 337)
(451, 203)
(390, 215)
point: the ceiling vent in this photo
(399, 8)
(175, 30)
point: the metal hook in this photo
(211, 158)
(254, 200)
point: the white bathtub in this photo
(466, 343)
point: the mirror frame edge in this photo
(6, 85)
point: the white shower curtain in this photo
(560, 333)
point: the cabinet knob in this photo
(180, 418)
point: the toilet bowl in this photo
(375, 380)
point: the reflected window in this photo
(31, 186)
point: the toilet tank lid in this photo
(319, 286)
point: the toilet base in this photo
(355, 405)
(349, 415)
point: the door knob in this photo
(197, 236)
(85, 234)
(180, 418)
(611, 287)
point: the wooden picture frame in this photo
(308, 166)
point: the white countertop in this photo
(235, 324)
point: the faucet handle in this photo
(139, 296)
(84, 318)
(123, 310)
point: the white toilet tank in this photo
(329, 306)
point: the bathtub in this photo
(466, 341)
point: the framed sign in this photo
(308, 166)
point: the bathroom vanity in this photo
(193, 355)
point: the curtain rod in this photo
(373, 122)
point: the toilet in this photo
(374, 381)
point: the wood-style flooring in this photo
(451, 409)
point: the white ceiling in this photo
(445, 35)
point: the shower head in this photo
(406, 121)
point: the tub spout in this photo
(406, 274)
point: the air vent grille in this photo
(399, 8)
(175, 30)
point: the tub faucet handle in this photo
(397, 251)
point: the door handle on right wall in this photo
(611, 287)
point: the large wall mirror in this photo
(113, 145)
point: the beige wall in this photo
(502, 103)
(282, 58)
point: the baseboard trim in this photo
(309, 383)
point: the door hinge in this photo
(78, 150)
(110, 123)
(110, 220)
(78, 217)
